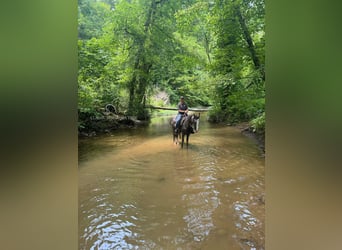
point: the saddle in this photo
(181, 124)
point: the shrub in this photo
(258, 124)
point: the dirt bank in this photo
(90, 125)
(259, 139)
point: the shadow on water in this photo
(140, 191)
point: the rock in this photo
(162, 179)
(83, 134)
(261, 199)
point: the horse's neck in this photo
(187, 121)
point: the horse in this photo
(187, 124)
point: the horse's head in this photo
(195, 121)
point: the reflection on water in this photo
(137, 190)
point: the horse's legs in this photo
(187, 140)
(175, 138)
(182, 139)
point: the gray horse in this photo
(187, 125)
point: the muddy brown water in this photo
(137, 190)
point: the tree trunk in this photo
(150, 15)
(249, 41)
(138, 85)
(207, 47)
(131, 88)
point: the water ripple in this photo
(150, 194)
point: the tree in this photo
(239, 59)
(92, 16)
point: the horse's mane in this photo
(187, 120)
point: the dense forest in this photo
(210, 51)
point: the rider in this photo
(182, 111)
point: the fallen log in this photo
(168, 108)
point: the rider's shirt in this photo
(182, 106)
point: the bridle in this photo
(195, 121)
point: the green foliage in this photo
(88, 98)
(238, 93)
(258, 124)
(194, 87)
(198, 49)
(92, 15)
(234, 102)
(239, 107)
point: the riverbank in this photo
(105, 123)
(246, 129)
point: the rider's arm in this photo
(183, 110)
